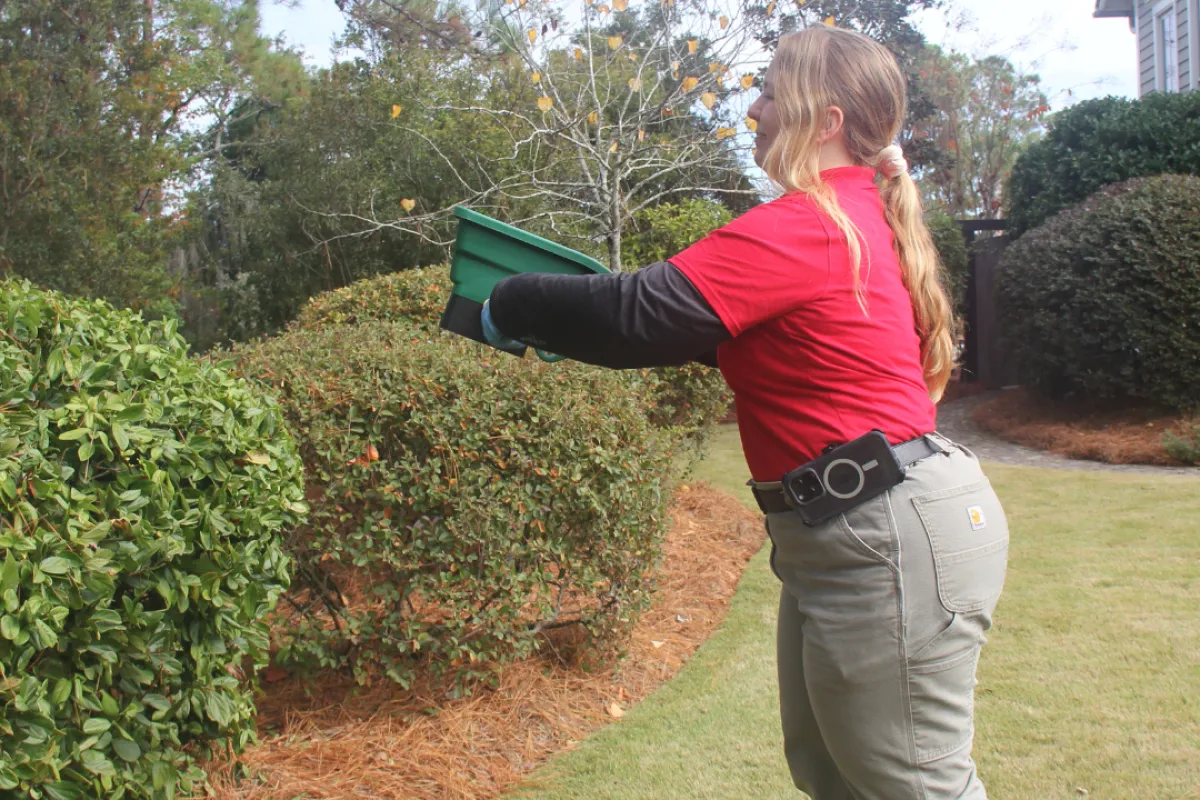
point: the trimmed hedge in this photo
(462, 500)
(1101, 302)
(417, 296)
(1101, 142)
(143, 495)
(690, 399)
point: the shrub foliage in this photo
(1101, 301)
(143, 494)
(689, 399)
(1101, 142)
(462, 500)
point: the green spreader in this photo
(485, 252)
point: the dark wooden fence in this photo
(985, 359)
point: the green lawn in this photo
(1090, 680)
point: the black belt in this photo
(772, 501)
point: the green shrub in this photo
(660, 232)
(415, 295)
(691, 399)
(952, 250)
(1101, 142)
(1183, 441)
(1101, 301)
(143, 495)
(462, 500)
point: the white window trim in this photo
(1156, 14)
(1194, 42)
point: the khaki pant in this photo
(881, 621)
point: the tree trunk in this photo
(614, 251)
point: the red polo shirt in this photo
(807, 366)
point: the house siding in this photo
(1186, 36)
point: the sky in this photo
(1076, 56)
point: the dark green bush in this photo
(1101, 302)
(143, 495)
(462, 500)
(691, 399)
(1101, 142)
(952, 250)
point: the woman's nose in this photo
(753, 111)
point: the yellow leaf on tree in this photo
(545, 103)
(641, 135)
(770, 9)
(620, 5)
(396, 110)
(633, 56)
(613, 147)
(751, 124)
(724, 133)
(536, 77)
(593, 118)
(675, 65)
(747, 81)
(532, 34)
(709, 99)
(693, 44)
(675, 74)
(690, 83)
(724, 22)
(578, 54)
(602, 9)
(720, 82)
(407, 204)
(614, 42)
(635, 84)
(831, 22)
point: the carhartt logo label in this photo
(978, 520)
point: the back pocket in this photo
(968, 534)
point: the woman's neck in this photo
(834, 154)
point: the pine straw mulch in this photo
(330, 741)
(1131, 436)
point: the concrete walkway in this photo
(954, 421)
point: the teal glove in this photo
(493, 335)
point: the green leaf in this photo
(55, 566)
(120, 437)
(96, 725)
(62, 790)
(10, 574)
(96, 763)
(258, 458)
(9, 627)
(78, 433)
(126, 750)
(219, 708)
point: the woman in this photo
(824, 311)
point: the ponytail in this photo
(921, 270)
(822, 67)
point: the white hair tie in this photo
(891, 162)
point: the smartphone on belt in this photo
(845, 477)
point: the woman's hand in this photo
(493, 335)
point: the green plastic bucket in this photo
(486, 251)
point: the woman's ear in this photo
(835, 122)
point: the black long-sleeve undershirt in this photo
(651, 318)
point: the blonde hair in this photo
(821, 67)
